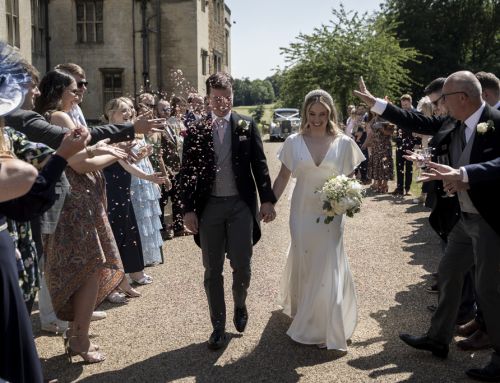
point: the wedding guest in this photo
(317, 288)
(79, 277)
(404, 141)
(475, 235)
(120, 211)
(490, 85)
(380, 163)
(223, 164)
(425, 107)
(77, 72)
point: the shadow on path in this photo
(275, 359)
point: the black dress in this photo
(122, 218)
(18, 357)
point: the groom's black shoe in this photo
(489, 373)
(217, 340)
(425, 343)
(240, 318)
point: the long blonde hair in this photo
(324, 98)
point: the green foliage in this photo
(258, 113)
(335, 55)
(254, 92)
(453, 34)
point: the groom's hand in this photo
(191, 222)
(267, 212)
(364, 94)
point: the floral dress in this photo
(20, 232)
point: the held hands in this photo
(267, 212)
(73, 142)
(191, 222)
(364, 94)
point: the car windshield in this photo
(286, 113)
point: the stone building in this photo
(124, 46)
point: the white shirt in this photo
(77, 115)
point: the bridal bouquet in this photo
(340, 195)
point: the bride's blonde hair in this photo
(324, 98)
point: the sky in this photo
(261, 27)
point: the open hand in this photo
(102, 147)
(364, 94)
(73, 142)
(440, 172)
(144, 125)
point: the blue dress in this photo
(145, 195)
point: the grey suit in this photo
(38, 129)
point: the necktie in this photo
(221, 128)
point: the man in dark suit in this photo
(223, 161)
(470, 141)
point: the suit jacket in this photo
(37, 129)
(483, 170)
(248, 160)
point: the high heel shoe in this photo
(117, 297)
(65, 336)
(144, 280)
(89, 357)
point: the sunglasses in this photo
(81, 84)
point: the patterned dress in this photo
(380, 163)
(82, 243)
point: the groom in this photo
(222, 163)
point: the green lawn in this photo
(247, 111)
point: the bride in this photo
(317, 289)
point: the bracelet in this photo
(90, 151)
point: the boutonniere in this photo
(484, 127)
(243, 128)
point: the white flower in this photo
(483, 127)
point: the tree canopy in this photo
(452, 34)
(248, 92)
(335, 55)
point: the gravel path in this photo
(161, 337)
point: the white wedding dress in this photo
(317, 289)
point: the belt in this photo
(3, 226)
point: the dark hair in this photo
(219, 80)
(52, 88)
(489, 81)
(71, 68)
(175, 102)
(434, 86)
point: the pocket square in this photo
(243, 138)
(487, 150)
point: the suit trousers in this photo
(472, 242)
(404, 171)
(225, 227)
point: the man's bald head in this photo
(467, 82)
(462, 94)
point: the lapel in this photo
(234, 136)
(442, 139)
(479, 139)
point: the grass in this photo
(247, 111)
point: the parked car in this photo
(285, 122)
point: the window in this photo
(12, 13)
(89, 26)
(226, 48)
(217, 62)
(112, 83)
(38, 22)
(204, 62)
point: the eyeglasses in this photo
(83, 83)
(444, 95)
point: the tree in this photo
(254, 92)
(335, 55)
(258, 113)
(452, 35)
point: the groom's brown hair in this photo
(219, 80)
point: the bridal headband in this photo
(319, 93)
(13, 79)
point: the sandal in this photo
(93, 347)
(144, 280)
(89, 357)
(132, 293)
(117, 297)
